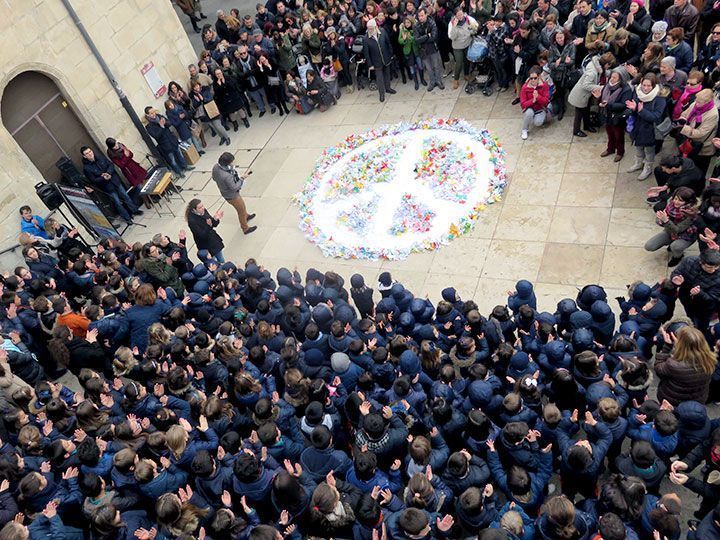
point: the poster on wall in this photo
(152, 77)
(85, 209)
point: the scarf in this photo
(698, 110)
(685, 99)
(678, 214)
(647, 98)
(595, 29)
(611, 93)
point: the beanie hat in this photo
(340, 362)
(659, 27)
(640, 3)
(257, 32)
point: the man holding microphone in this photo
(229, 182)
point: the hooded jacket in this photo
(603, 324)
(694, 426)
(554, 356)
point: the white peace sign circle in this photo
(401, 188)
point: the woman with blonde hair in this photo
(183, 448)
(700, 125)
(685, 366)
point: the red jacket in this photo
(526, 97)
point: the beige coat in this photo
(702, 132)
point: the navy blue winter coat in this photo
(644, 122)
(141, 317)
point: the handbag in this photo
(195, 129)
(337, 65)
(273, 80)
(211, 109)
(572, 77)
(689, 148)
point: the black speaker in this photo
(71, 175)
(49, 195)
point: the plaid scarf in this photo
(676, 215)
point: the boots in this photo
(415, 78)
(637, 165)
(194, 22)
(646, 171)
(246, 122)
(422, 77)
(235, 125)
(402, 76)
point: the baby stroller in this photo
(481, 67)
(358, 66)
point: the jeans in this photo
(433, 68)
(677, 247)
(219, 257)
(120, 199)
(531, 116)
(176, 160)
(460, 64)
(646, 154)
(259, 97)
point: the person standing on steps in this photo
(229, 182)
(379, 55)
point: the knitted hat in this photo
(660, 27)
(340, 362)
(257, 32)
(640, 3)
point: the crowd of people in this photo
(218, 401)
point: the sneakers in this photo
(524, 134)
(636, 166)
(646, 171)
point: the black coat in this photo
(93, 170)
(84, 354)
(228, 96)
(378, 52)
(203, 231)
(166, 140)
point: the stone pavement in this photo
(568, 217)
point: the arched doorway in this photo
(43, 123)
